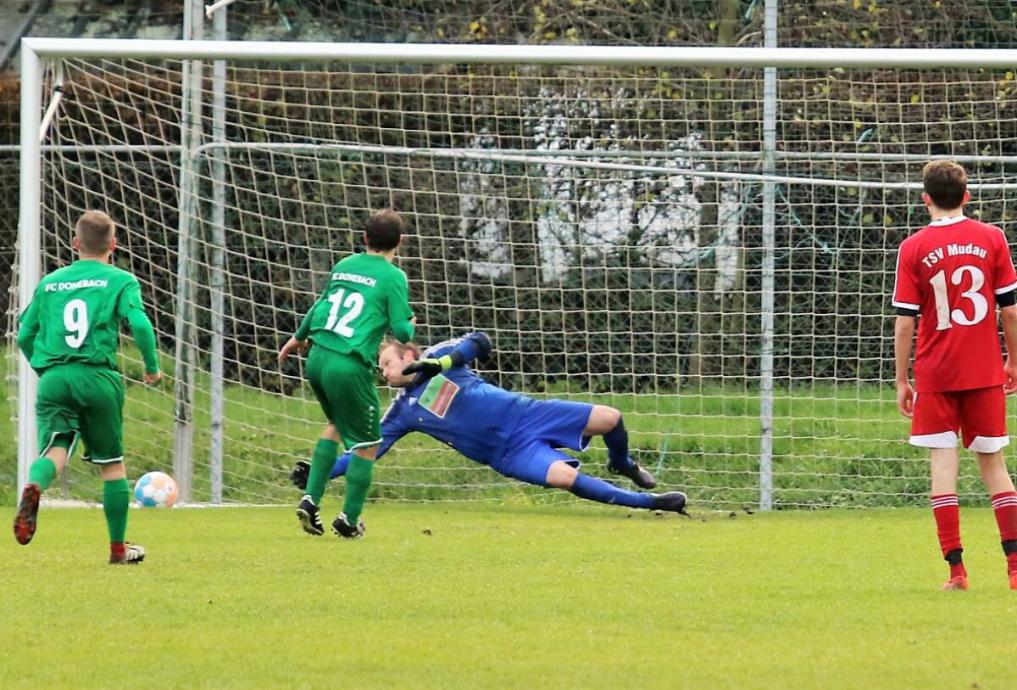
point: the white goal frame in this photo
(36, 51)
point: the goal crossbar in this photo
(426, 53)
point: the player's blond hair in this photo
(401, 348)
(95, 231)
(945, 182)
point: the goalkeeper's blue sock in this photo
(617, 442)
(598, 490)
(341, 463)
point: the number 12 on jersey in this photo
(945, 318)
(353, 304)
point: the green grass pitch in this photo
(495, 595)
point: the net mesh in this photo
(603, 225)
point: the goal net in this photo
(624, 233)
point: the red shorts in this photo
(979, 413)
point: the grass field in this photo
(460, 596)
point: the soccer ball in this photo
(155, 490)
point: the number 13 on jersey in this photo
(945, 317)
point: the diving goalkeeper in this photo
(514, 435)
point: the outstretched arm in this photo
(472, 347)
(343, 461)
(391, 431)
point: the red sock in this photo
(946, 510)
(1004, 505)
(117, 548)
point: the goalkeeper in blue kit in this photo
(516, 436)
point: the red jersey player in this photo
(953, 273)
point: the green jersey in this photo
(75, 316)
(365, 296)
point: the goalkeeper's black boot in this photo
(300, 473)
(342, 527)
(673, 501)
(307, 513)
(635, 472)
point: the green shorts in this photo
(86, 402)
(345, 387)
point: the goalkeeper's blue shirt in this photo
(457, 407)
(515, 435)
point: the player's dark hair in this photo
(945, 182)
(95, 231)
(383, 230)
(401, 348)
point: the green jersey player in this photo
(69, 334)
(366, 296)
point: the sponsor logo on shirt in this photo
(438, 396)
(76, 285)
(355, 278)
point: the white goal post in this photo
(699, 236)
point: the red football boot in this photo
(957, 582)
(28, 509)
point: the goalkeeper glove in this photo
(429, 367)
(300, 473)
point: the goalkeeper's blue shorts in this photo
(544, 427)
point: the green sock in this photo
(321, 467)
(42, 472)
(358, 481)
(116, 497)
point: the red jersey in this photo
(950, 273)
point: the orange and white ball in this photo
(155, 490)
